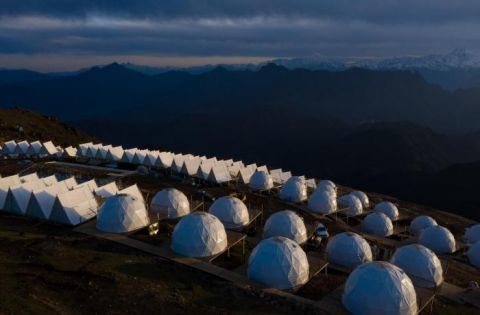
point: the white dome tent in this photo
(326, 183)
(348, 250)
(362, 196)
(327, 189)
(420, 223)
(439, 239)
(420, 264)
(278, 262)
(377, 224)
(322, 202)
(473, 254)
(388, 209)
(170, 203)
(199, 234)
(353, 204)
(379, 288)
(472, 234)
(261, 180)
(122, 213)
(231, 211)
(294, 190)
(288, 224)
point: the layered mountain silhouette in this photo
(354, 95)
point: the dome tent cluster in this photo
(283, 234)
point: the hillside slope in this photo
(21, 124)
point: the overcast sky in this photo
(53, 35)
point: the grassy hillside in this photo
(21, 124)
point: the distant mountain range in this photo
(353, 96)
(459, 68)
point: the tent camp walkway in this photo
(115, 172)
(163, 252)
(238, 279)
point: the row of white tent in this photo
(208, 169)
(24, 148)
(67, 201)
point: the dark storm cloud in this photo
(237, 28)
(385, 11)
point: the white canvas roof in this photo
(353, 204)
(199, 234)
(231, 211)
(472, 234)
(48, 148)
(204, 171)
(326, 183)
(252, 167)
(178, 161)
(139, 156)
(234, 170)
(239, 164)
(35, 148)
(219, 174)
(5, 184)
(379, 287)
(9, 147)
(388, 209)
(165, 160)
(49, 180)
(134, 191)
(245, 175)
(128, 155)
(288, 224)
(278, 262)
(377, 224)
(285, 176)
(277, 177)
(102, 152)
(74, 207)
(70, 151)
(190, 167)
(294, 190)
(70, 182)
(420, 223)
(122, 213)
(212, 161)
(91, 185)
(82, 148)
(42, 200)
(311, 183)
(349, 250)
(107, 190)
(170, 203)
(151, 158)
(439, 239)
(114, 154)
(262, 168)
(261, 180)
(276, 171)
(420, 264)
(92, 150)
(322, 202)
(29, 178)
(22, 147)
(19, 196)
(363, 198)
